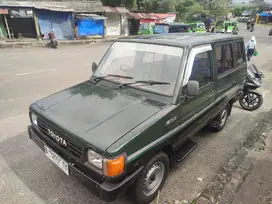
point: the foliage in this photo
(186, 9)
(237, 11)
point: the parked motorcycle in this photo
(251, 99)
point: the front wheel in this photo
(251, 101)
(152, 179)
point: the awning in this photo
(109, 9)
(153, 16)
(142, 16)
(264, 14)
(3, 11)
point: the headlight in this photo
(110, 167)
(95, 159)
(34, 119)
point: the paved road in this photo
(27, 176)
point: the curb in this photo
(44, 43)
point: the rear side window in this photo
(238, 53)
(201, 70)
(224, 58)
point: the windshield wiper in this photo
(97, 79)
(149, 82)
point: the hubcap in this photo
(250, 100)
(224, 116)
(153, 178)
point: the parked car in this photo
(124, 127)
(161, 28)
(180, 28)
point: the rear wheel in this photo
(152, 179)
(220, 120)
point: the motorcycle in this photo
(251, 99)
(53, 44)
(251, 29)
(270, 32)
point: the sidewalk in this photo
(42, 43)
(247, 177)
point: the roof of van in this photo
(181, 39)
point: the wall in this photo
(113, 24)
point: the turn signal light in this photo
(114, 167)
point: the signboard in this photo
(21, 13)
(3, 11)
(169, 19)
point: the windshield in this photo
(144, 26)
(142, 62)
(201, 25)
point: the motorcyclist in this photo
(235, 30)
(248, 24)
(52, 39)
(251, 47)
(252, 23)
(51, 35)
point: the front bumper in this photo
(104, 190)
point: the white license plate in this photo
(63, 165)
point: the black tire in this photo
(139, 189)
(220, 120)
(247, 105)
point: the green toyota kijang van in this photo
(123, 128)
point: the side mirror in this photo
(94, 67)
(192, 88)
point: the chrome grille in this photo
(71, 148)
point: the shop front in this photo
(60, 22)
(20, 23)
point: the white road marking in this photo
(36, 72)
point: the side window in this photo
(238, 53)
(201, 70)
(224, 59)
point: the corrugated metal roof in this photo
(151, 15)
(54, 6)
(109, 9)
(93, 16)
(142, 16)
(86, 6)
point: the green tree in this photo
(218, 8)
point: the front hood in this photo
(95, 114)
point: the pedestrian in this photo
(226, 27)
(251, 47)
